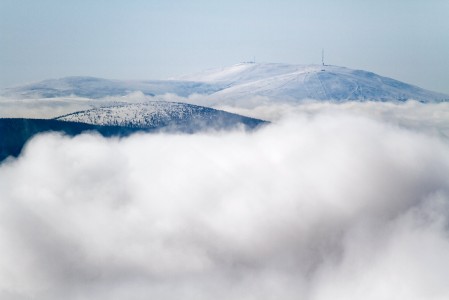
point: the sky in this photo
(404, 39)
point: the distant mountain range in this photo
(229, 85)
(234, 85)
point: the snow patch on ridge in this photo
(158, 114)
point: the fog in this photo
(430, 118)
(327, 202)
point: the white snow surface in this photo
(245, 72)
(290, 83)
(150, 114)
(154, 114)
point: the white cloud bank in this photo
(425, 117)
(329, 205)
(430, 118)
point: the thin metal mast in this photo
(322, 57)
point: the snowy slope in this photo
(159, 114)
(283, 82)
(241, 73)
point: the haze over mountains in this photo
(92, 87)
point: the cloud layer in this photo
(430, 118)
(329, 205)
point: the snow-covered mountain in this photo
(161, 114)
(232, 85)
(284, 82)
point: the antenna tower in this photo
(322, 57)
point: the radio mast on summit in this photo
(322, 57)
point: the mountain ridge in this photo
(229, 85)
(161, 114)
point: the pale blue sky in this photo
(404, 39)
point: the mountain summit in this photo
(285, 82)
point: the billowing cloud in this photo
(424, 117)
(334, 204)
